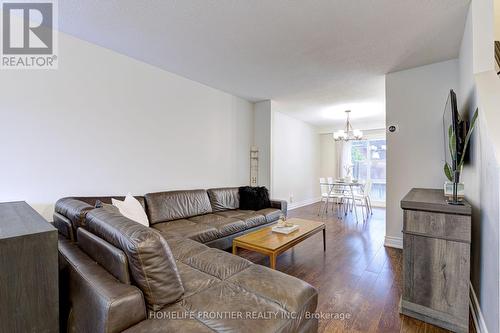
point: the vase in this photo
(448, 190)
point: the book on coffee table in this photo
(285, 230)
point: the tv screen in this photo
(452, 131)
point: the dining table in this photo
(345, 185)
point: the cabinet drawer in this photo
(436, 275)
(439, 225)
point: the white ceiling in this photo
(314, 58)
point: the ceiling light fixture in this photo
(349, 133)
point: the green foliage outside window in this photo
(357, 155)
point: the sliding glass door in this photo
(368, 159)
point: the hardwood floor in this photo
(356, 277)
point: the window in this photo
(368, 160)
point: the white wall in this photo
(497, 26)
(484, 170)
(263, 118)
(329, 163)
(295, 160)
(415, 100)
(466, 98)
(483, 30)
(104, 124)
(497, 19)
(482, 183)
(479, 87)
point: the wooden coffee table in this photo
(272, 244)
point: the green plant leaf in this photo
(467, 137)
(447, 172)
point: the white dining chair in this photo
(337, 195)
(325, 190)
(364, 199)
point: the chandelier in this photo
(348, 134)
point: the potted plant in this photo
(454, 175)
(348, 172)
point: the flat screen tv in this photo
(453, 130)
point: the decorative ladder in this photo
(497, 53)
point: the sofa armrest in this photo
(96, 301)
(280, 204)
(74, 210)
(64, 226)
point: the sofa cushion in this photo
(175, 205)
(151, 262)
(184, 228)
(249, 217)
(271, 214)
(218, 263)
(226, 297)
(289, 292)
(194, 280)
(224, 198)
(224, 225)
(161, 323)
(183, 248)
(234, 213)
(105, 254)
(254, 198)
(94, 299)
(253, 220)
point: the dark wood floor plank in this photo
(368, 317)
(410, 325)
(390, 319)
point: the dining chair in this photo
(368, 190)
(364, 199)
(324, 189)
(337, 195)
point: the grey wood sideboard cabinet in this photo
(28, 271)
(436, 259)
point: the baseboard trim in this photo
(477, 314)
(298, 204)
(395, 242)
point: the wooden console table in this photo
(29, 271)
(436, 255)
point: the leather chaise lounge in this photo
(117, 275)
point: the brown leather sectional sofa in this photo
(118, 275)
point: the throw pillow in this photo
(132, 209)
(254, 198)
